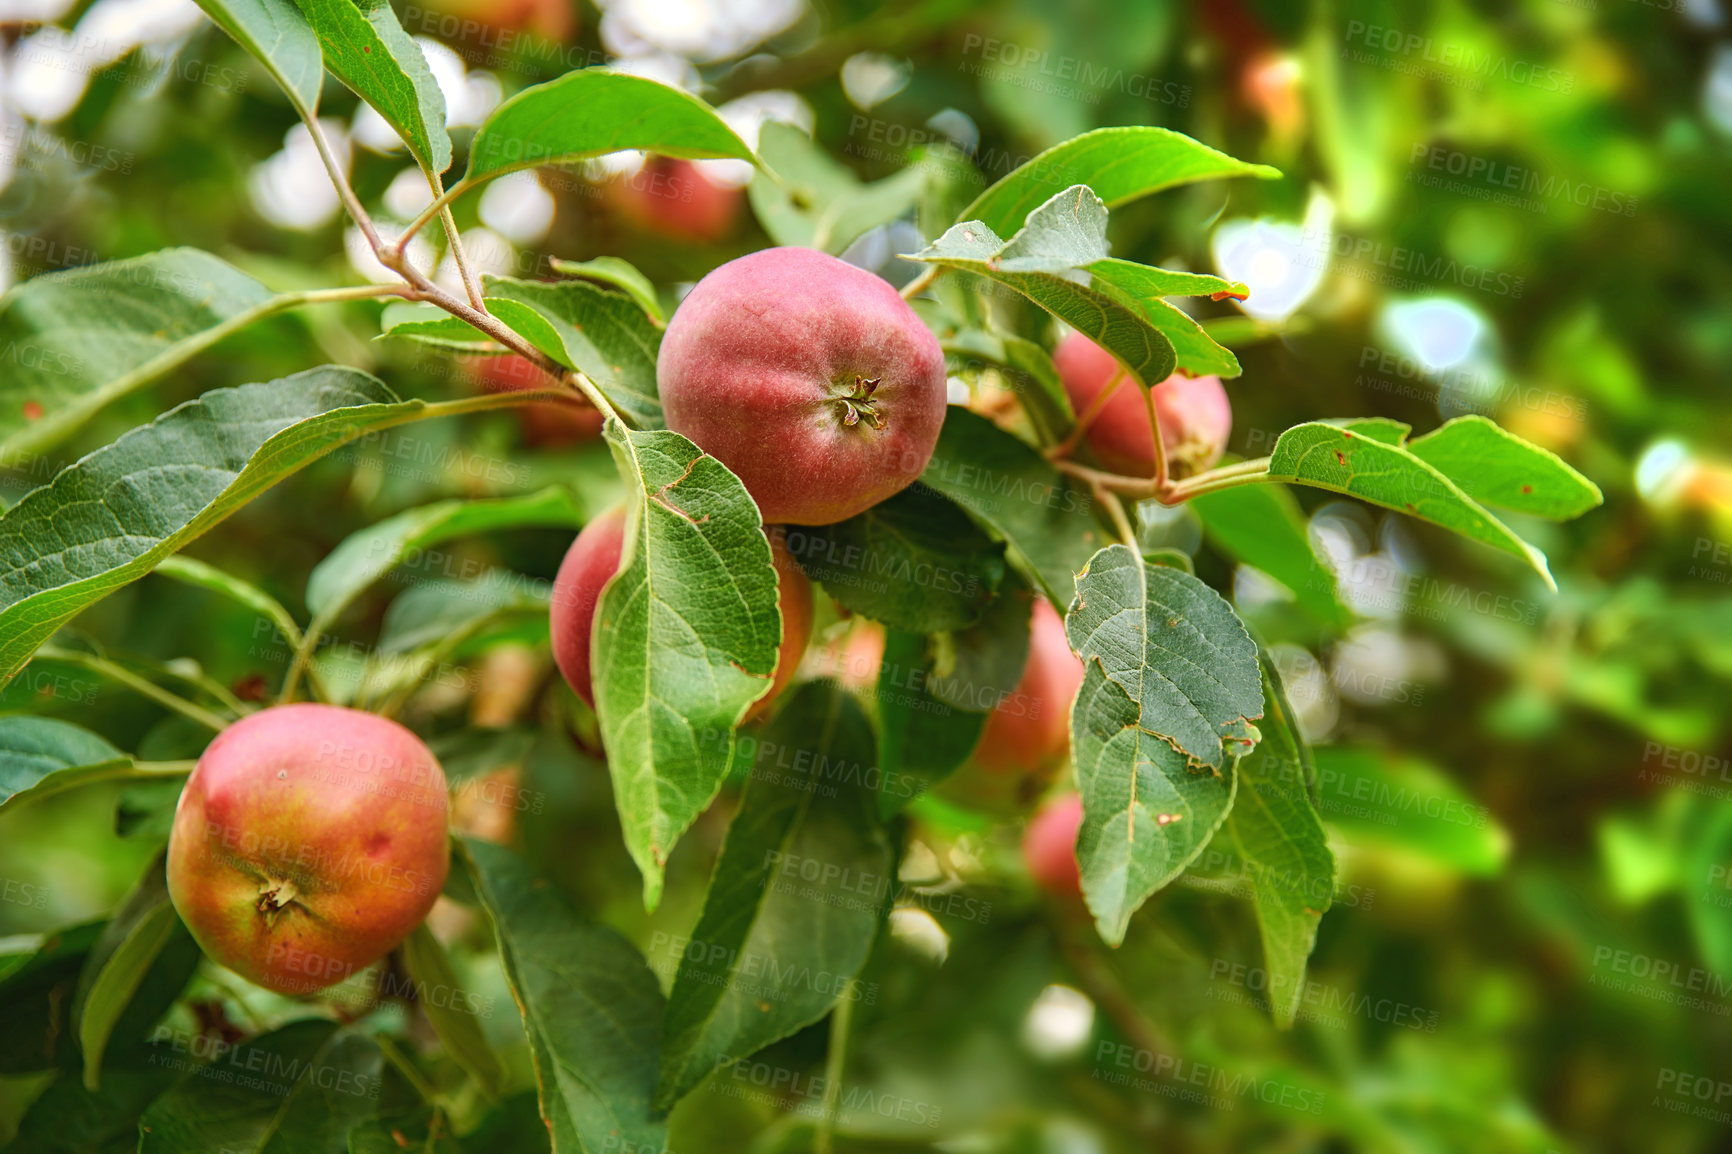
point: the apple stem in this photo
(275, 894)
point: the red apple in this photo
(594, 558)
(809, 378)
(854, 658)
(1193, 412)
(1029, 731)
(1049, 846)
(309, 841)
(549, 424)
(673, 198)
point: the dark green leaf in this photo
(68, 1119)
(36, 1003)
(622, 275)
(108, 519)
(1046, 518)
(450, 1009)
(1287, 862)
(300, 1088)
(72, 342)
(592, 1008)
(1263, 526)
(915, 562)
(774, 949)
(925, 739)
(1174, 647)
(40, 756)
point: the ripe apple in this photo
(809, 378)
(1193, 412)
(594, 558)
(1029, 731)
(548, 424)
(1049, 846)
(308, 842)
(673, 198)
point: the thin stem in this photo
(918, 285)
(835, 1063)
(481, 403)
(404, 1067)
(440, 204)
(1155, 434)
(1116, 510)
(455, 240)
(140, 685)
(1067, 446)
(1226, 477)
(1140, 488)
(341, 180)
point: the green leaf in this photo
(1062, 236)
(1367, 460)
(773, 950)
(686, 636)
(434, 327)
(110, 518)
(447, 1007)
(1280, 838)
(367, 555)
(72, 342)
(1263, 526)
(1146, 812)
(1120, 164)
(591, 1006)
(190, 571)
(622, 275)
(1410, 806)
(69, 1119)
(809, 199)
(278, 35)
(369, 52)
(925, 739)
(978, 667)
(36, 1002)
(1046, 518)
(118, 964)
(424, 1130)
(1032, 376)
(915, 562)
(40, 756)
(1175, 648)
(603, 334)
(303, 1087)
(1496, 467)
(1194, 350)
(433, 612)
(592, 112)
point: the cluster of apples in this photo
(310, 840)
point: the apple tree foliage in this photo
(1181, 736)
